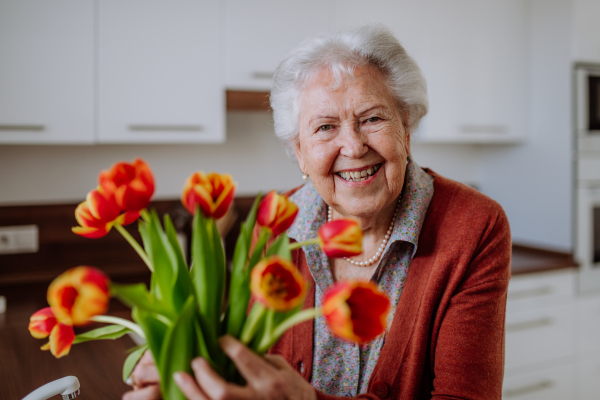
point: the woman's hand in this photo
(268, 378)
(145, 380)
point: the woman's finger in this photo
(145, 372)
(148, 393)
(188, 386)
(214, 385)
(248, 363)
(278, 361)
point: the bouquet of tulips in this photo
(188, 307)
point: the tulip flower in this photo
(341, 238)
(277, 283)
(213, 193)
(44, 323)
(356, 311)
(276, 212)
(98, 214)
(132, 184)
(78, 294)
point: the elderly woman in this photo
(344, 105)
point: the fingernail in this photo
(178, 377)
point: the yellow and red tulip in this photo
(78, 294)
(341, 238)
(356, 311)
(276, 212)
(98, 213)
(277, 284)
(44, 323)
(131, 184)
(212, 192)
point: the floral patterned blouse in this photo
(341, 368)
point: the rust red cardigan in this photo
(447, 337)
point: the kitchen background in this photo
(84, 84)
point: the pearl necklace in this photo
(386, 238)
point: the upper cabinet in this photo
(476, 67)
(159, 72)
(259, 34)
(587, 30)
(46, 71)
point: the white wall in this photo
(533, 181)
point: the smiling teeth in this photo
(357, 176)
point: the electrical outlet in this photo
(19, 239)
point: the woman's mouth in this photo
(360, 175)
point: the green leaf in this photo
(136, 295)
(105, 332)
(257, 254)
(132, 360)
(182, 283)
(280, 247)
(177, 351)
(154, 329)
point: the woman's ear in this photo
(298, 152)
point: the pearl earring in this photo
(304, 177)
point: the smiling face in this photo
(353, 143)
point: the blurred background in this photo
(184, 85)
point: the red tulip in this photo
(78, 294)
(132, 184)
(97, 215)
(44, 323)
(276, 212)
(213, 193)
(277, 284)
(341, 238)
(356, 311)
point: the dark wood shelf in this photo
(528, 259)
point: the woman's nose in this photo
(353, 143)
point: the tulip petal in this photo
(132, 185)
(341, 238)
(213, 193)
(277, 284)
(90, 233)
(61, 339)
(102, 207)
(41, 323)
(276, 212)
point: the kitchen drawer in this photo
(547, 384)
(588, 325)
(530, 291)
(539, 336)
(588, 378)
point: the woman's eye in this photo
(325, 128)
(373, 119)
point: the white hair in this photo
(341, 53)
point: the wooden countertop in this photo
(24, 367)
(527, 260)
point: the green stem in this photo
(297, 245)
(107, 319)
(145, 215)
(252, 322)
(304, 315)
(136, 246)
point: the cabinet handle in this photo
(163, 128)
(494, 129)
(263, 75)
(525, 325)
(535, 292)
(528, 389)
(20, 127)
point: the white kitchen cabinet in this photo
(586, 30)
(46, 71)
(587, 376)
(555, 383)
(476, 70)
(259, 34)
(159, 72)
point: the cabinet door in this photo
(554, 383)
(587, 30)
(46, 71)
(476, 70)
(159, 72)
(261, 33)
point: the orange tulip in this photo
(276, 212)
(277, 284)
(132, 184)
(356, 311)
(97, 215)
(44, 323)
(78, 294)
(341, 238)
(213, 193)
